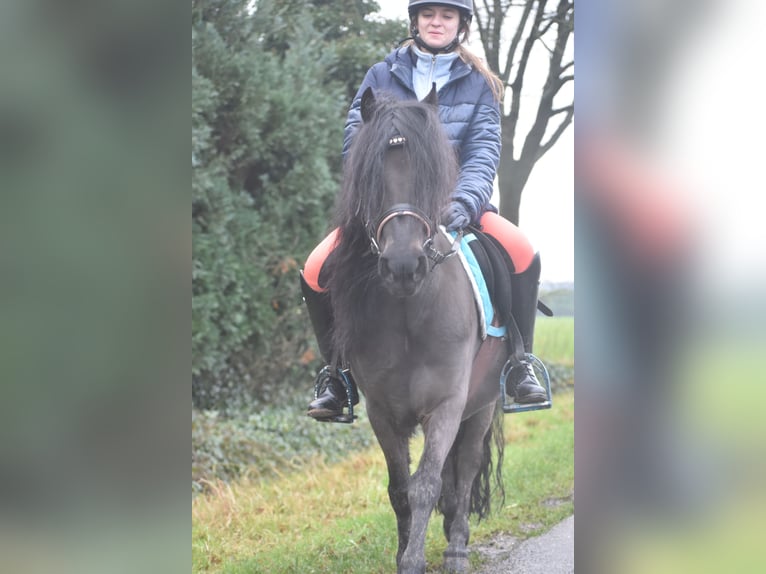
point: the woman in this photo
(469, 107)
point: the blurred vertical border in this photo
(95, 252)
(669, 264)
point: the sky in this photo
(547, 211)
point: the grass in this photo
(336, 517)
(554, 340)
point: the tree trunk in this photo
(546, 25)
(512, 176)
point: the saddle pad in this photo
(478, 284)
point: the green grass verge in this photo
(336, 518)
(554, 340)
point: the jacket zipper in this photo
(431, 72)
(403, 80)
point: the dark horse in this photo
(406, 323)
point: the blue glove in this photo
(456, 216)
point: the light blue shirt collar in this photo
(430, 69)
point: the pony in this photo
(406, 323)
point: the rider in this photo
(469, 107)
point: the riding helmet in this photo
(465, 6)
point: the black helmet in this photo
(465, 6)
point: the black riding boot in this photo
(526, 388)
(331, 391)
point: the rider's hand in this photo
(456, 216)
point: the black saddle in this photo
(497, 267)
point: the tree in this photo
(358, 38)
(270, 85)
(535, 27)
(266, 132)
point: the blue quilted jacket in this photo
(470, 115)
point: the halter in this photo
(409, 210)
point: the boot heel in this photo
(541, 371)
(343, 376)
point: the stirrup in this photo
(540, 371)
(351, 393)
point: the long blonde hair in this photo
(494, 82)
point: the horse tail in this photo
(481, 490)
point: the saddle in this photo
(490, 269)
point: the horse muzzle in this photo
(403, 273)
(402, 260)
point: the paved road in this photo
(549, 553)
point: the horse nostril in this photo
(420, 272)
(399, 267)
(383, 268)
(402, 272)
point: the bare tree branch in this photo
(559, 130)
(562, 110)
(548, 23)
(518, 81)
(530, 25)
(517, 36)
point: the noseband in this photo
(408, 210)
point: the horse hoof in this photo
(456, 562)
(456, 565)
(411, 569)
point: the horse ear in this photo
(368, 104)
(432, 99)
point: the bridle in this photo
(408, 210)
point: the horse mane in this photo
(353, 278)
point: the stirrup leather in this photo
(352, 396)
(542, 375)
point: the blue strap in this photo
(489, 312)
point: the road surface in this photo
(549, 553)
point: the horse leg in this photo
(398, 485)
(447, 504)
(396, 450)
(468, 453)
(440, 430)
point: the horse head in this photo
(411, 190)
(402, 236)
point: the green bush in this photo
(266, 138)
(268, 442)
